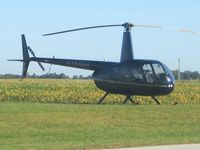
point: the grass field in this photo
(85, 126)
(62, 114)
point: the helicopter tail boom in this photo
(81, 64)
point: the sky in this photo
(35, 18)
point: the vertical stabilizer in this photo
(25, 56)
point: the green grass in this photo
(75, 126)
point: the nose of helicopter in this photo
(170, 82)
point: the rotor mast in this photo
(127, 48)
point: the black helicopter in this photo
(128, 77)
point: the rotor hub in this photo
(127, 26)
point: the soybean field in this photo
(85, 92)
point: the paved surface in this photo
(166, 147)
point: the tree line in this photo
(46, 76)
(186, 75)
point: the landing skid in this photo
(128, 98)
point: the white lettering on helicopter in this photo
(75, 63)
(78, 63)
(46, 60)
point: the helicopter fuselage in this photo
(136, 77)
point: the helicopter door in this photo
(136, 73)
(148, 73)
(125, 73)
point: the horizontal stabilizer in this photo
(15, 60)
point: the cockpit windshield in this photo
(154, 73)
(169, 73)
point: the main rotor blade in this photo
(85, 28)
(126, 26)
(181, 30)
(167, 28)
(146, 26)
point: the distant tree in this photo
(34, 75)
(62, 76)
(195, 75)
(88, 77)
(75, 77)
(187, 75)
(81, 77)
(175, 73)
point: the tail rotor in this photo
(34, 56)
(26, 59)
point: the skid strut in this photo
(128, 97)
(101, 99)
(155, 99)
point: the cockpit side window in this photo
(159, 71)
(148, 73)
(136, 73)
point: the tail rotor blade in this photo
(32, 52)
